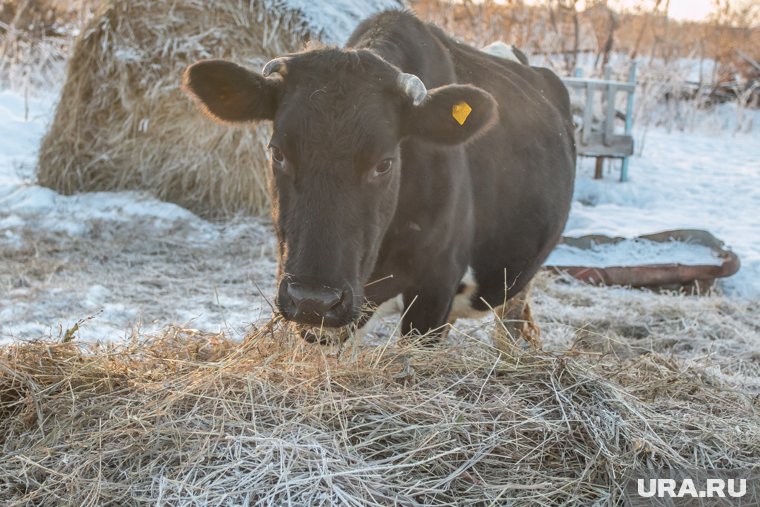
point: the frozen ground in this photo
(130, 262)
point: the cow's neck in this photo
(413, 48)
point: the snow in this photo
(681, 181)
(633, 252)
(21, 201)
(337, 18)
(123, 261)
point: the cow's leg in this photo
(514, 320)
(427, 308)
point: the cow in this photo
(404, 166)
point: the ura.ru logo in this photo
(713, 488)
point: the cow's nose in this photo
(314, 300)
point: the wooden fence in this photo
(597, 136)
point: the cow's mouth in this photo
(325, 335)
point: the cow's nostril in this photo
(314, 300)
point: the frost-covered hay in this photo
(123, 122)
(714, 332)
(191, 419)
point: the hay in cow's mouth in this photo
(324, 335)
(189, 418)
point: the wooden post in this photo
(588, 115)
(629, 118)
(608, 72)
(609, 102)
(598, 172)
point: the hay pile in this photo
(123, 122)
(193, 419)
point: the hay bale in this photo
(123, 122)
(189, 419)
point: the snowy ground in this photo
(131, 262)
(125, 259)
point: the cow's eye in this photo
(382, 168)
(277, 155)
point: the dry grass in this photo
(714, 332)
(185, 418)
(192, 419)
(123, 122)
(29, 62)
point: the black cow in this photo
(400, 164)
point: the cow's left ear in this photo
(451, 115)
(229, 93)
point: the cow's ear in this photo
(229, 93)
(451, 115)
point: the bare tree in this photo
(612, 25)
(559, 10)
(647, 18)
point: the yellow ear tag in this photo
(460, 112)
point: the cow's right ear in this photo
(229, 93)
(452, 114)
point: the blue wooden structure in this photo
(597, 137)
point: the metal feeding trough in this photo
(697, 278)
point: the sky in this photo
(689, 10)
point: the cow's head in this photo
(339, 117)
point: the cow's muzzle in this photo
(315, 304)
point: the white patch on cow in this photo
(461, 307)
(502, 50)
(390, 307)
